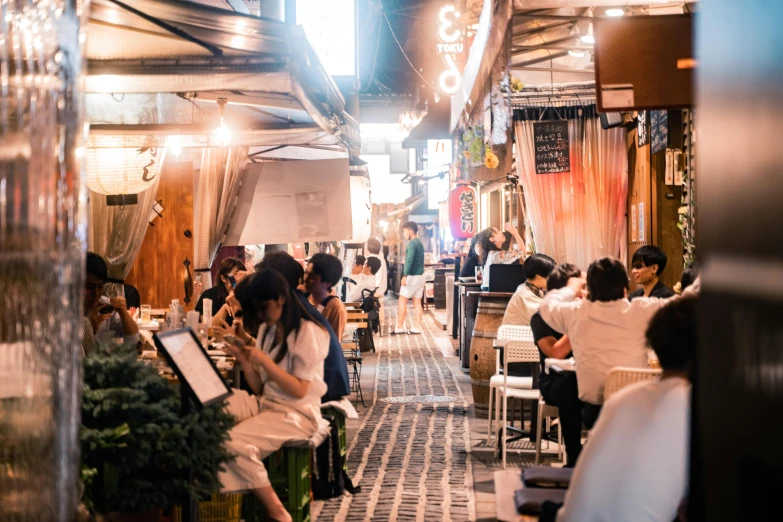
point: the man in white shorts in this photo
(412, 284)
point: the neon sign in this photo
(450, 45)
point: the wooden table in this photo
(465, 325)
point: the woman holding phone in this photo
(285, 370)
(218, 293)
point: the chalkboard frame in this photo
(562, 134)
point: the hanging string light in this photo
(221, 136)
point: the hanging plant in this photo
(516, 84)
(473, 144)
(491, 160)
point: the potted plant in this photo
(140, 454)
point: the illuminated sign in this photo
(331, 30)
(439, 157)
(449, 46)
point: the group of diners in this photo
(633, 467)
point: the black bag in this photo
(329, 478)
(371, 306)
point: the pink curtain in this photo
(577, 216)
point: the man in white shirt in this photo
(366, 281)
(528, 297)
(605, 331)
(382, 277)
(635, 465)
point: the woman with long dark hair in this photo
(498, 249)
(218, 293)
(285, 370)
(473, 259)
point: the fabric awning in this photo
(189, 55)
(434, 126)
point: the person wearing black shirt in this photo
(218, 293)
(560, 389)
(648, 263)
(473, 258)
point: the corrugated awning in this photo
(189, 55)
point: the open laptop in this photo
(506, 278)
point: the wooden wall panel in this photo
(158, 270)
(638, 192)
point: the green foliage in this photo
(138, 450)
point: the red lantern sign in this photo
(462, 212)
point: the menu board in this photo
(191, 363)
(552, 147)
(642, 131)
(659, 131)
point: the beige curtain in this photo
(117, 232)
(218, 187)
(577, 216)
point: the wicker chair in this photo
(620, 377)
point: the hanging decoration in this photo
(491, 160)
(115, 171)
(462, 212)
(473, 146)
(361, 210)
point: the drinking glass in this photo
(146, 313)
(479, 274)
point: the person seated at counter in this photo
(285, 370)
(473, 259)
(335, 367)
(605, 331)
(648, 262)
(559, 389)
(497, 249)
(366, 283)
(223, 286)
(446, 258)
(528, 296)
(105, 318)
(356, 272)
(323, 272)
(636, 464)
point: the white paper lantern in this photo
(361, 209)
(114, 171)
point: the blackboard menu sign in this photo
(552, 147)
(641, 130)
(659, 130)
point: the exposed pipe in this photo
(539, 60)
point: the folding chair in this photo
(620, 377)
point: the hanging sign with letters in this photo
(551, 145)
(462, 212)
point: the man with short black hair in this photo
(648, 263)
(365, 283)
(323, 272)
(636, 465)
(605, 331)
(381, 277)
(412, 283)
(335, 367)
(528, 296)
(560, 389)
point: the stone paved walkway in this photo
(411, 459)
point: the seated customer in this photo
(473, 259)
(526, 300)
(335, 367)
(635, 466)
(648, 263)
(497, 248)
(223, 286)
(356, 272)
(108, 317)
(323, 272)
(366, 282)
(560, 389)
(605, 331)
(285, 370)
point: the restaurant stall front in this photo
(188, 105)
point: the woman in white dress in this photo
(284, 368)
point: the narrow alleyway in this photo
(411, 452)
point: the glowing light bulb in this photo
(174, 144)
(615, 12)
(576, 54)
(221, 137)
(588, 38)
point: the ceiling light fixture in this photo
(174, 145)
(221, 136)
(615, 12)
(588, 38)
(576, 54)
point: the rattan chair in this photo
(620, 377)
(506, 332)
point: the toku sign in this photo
(462, 212)
(450, 45)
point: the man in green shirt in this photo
(412, 284)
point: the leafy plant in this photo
(473, 145)
(139, 451)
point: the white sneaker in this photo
(398, 331)
(414, 331)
